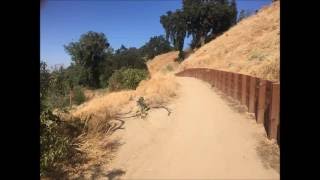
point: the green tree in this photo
(206, 20)
(155, 46)
(175, 26)
(128, 58)
(89, 52)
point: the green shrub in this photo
(79, 96)
(54, 146)
(127, 78)
(57, 142)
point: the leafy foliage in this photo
(128, 58)
(126, 78)
(54, 146)
(89, 52)
(155, 46)
(203, 20)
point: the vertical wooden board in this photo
(215, 78)
(224, 78)
(211, 75)
(239, 87)
(231, 84)
(225, 82)
(248, 91)
(212, 78)
(252, 95)
(219, 80)
(235, 86)
(256, 97)
(228, 83)
(208, 77)
(244, 90)
(268, 98)
(274, 111)
(261, 101)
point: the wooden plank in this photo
(223, 81)
(235, 86)
(239, 87)
(231, 84)
(219, 80)
(274, 111)
(244, 90)
(252, 95)
(261, 101)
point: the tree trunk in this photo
(202, 40)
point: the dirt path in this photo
(202, 138)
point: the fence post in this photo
(218, 79)
(230, 84)
(244, 90)
(227, 83)
(223, 82)
(261, 101)
(216, 74)
(235, 86)
(239, 87)
(252, 95)
(274, 111)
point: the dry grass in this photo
(251, 47)
(99, 114)
(161, 64)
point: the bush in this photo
(79, 96)
(127, 78)
(58, 142)
(54, 147)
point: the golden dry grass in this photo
(164, 63)
(158, 90)
(251, 47)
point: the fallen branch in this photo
(169, 112)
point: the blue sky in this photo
(127, 22)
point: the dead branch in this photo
(169, 112)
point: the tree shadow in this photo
(115, 173)
(232, 103)
(97, 171)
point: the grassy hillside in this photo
(251, 47)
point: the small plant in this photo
(169, 68)
(143, 108)
(257, 55)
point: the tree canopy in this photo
(155, 46)
(203, 20)
(89, 52)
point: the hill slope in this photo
(251, 47)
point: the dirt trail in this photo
(202, 138)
